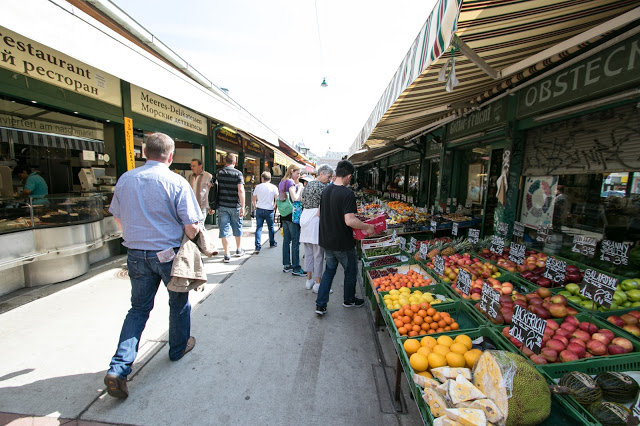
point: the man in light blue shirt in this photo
(155, 207)
(34, 186)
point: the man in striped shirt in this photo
(230, 205)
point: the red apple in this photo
(564, 340)
(515, 342)
(568, 356)
(633, 329)
(538, 359)
(596, 347)
(571, 320)
(607, 333)
(543, 292)
(549, 354)
(582, 335)
(622, 342)
(558, 298)
(577, 349)
(558, 310)
(527, 352)
(563, 332)
(567, 326)
(588, 327)
(556, 345)
(616, 350)
(572, 311)
(551, 324)
(635, 314)
(601, 337)
(505, 331)
(614, 319)
(540, 311)
(588, 355)
(578, 341)
(629, 319)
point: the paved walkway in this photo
(262, 355)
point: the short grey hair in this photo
(325, 168)
(159, 146)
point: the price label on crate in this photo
(403, 243)
(517, 253)
(635, 410)
(438, 265)
(543, 233)
(527, 328)
(489, 301)
(555, 269)
(395, 236)
(502, 228)
(464, 281)
(518, 229)
(584, 245)
(424, 249)
(473, 236)
(454, 229)
(433, 226)
(497, 245)
(413, 244)
(614, 252)
(599, 287)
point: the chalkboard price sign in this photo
(584, 245)
(555, 269)
(490, 301)
(543, 233)
(424, 249)
(527, 328)
(413, 244)
(395, 236)
(434, 226)
(454, 229)
(599, 287)
(438, 265)
(403, 243)
(517, 253)
(464, 281)
(502, 228)
(615, 252)
(497, 245)
(474, 236)
(518, 229)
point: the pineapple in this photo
(435, 250)
(450, 248)
(454, 246)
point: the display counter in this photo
(54, 239)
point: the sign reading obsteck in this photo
(438, 265)
(464, 281)
(555, 269)
(599, 287)
(474, 236)
(518, 229)
(454, 229)
(517, 253)
(489, 301)
(527, 328)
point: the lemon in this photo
(419, 362)
(425, 374)
(441, 349)
(394, 292)
(436, 360)
(445, 340)
(411, 346)
(458, 348)
(455, 360)
(424, 350)
(465, 340)
(404, 290)
(428, 341)
(471, 356)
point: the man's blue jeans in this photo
(261, 216)
(145, 273)
(349, 263)
(291, 236)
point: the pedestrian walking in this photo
(200, 182)
(263, 202)
(309, 227)
(337, 222)
(290, 192)
(155, 208)
(231, 205)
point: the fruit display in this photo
(429, 243)
(377, 252)
(475, 292)
(400, 279)
(572, 340)
(475, 266)
(625, 296)
(502, 388)
(385, 260)
(418, 319)
(572, 275)
(395, 299)
(440, 355)
(446, 249)
(377, 273)
(542, 302)
(457, 217)
(629, 322)
(617, 387)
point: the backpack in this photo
(213, 194)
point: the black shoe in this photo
(257, 251)
(299, 272)
(287, 269)
(273, 245)
(321, 310)
(227, 259)
(116, 387)
(355, 304)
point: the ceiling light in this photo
(324, 82)
(34, 102)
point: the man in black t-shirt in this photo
(337, 220)
(230, 205)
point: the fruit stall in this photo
(489, 335)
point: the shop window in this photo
(251, 170)
(414, 180)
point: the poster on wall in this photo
(474, 187)
(537, 203)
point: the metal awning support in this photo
(475, 58)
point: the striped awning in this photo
(494, 44)
(49, 140)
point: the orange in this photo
(434, 325)
(402, 331)
(411, 346)
(419, 362)
(425, 326)
(455, 360)
(428, 320)
(415, 308)
(471, 356)
(405, 319)
(454, 326)
(413, 333)
(431, 312)
(445, 340)
(425, 374)
(465, 340)
(428, 341)
(436, 360)
(416, 328)
(417, 320)
(437, 316)
(424, 350)
(422, 313)
(441, 349)
(458, 348)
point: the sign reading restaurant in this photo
(151, 105)
(612, 68)
(27, 57)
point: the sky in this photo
(273, 55)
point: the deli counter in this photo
(55, 238)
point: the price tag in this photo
(584, 245)
(438, 265)
(464, 281)
(395, 236)
(543, 233)
(614, 252)
(473, 236)
(527, 328)
(517, 253)
(599, 287)
(431, 210)
(468, 204)
(497, 245)
(403, 243)
(434, 226)
(424, 249)
(455, 201)
(413, 245)
(454, 229)
(489, 300)
(440, 209)
(555, 269)
(518, 229)
(502, 228)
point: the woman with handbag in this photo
(290, 208)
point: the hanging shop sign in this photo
(151, 105)
(486, 118)
(229, 137)
(29, 58)
(612, 68)
(129, 148)
(254, 147)
(16, 122)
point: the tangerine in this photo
(411, 346)
(419, 362)
(428, 341)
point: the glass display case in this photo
(15, 215)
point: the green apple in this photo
(614, 306)
(622, 294)
(634, 295)
(565, 293)
(635, 304)
(572, 288)
(587, 304)
(630, 284)
(617, 297)
(627, 304)
(576, 299)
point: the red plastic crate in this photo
(378, 222)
